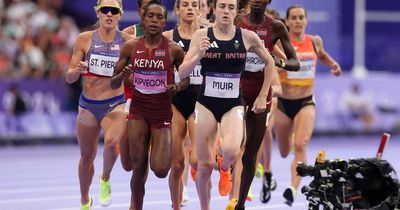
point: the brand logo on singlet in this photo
(236, 44)
(180, 43)
(214, 45)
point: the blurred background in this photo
(36, 40)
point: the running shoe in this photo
(225, 179)
(289, 195)
(193, 172)
(250, 195)
(268, 184)
(87, 206)
(105, 193)
(259, 170)
(232, 204)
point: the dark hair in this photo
(140, 2)
(295, 7)
(155, 2)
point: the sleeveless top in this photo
(102, 56)
(308, 61)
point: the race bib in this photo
(195, 77)
(254, 63)
(222, 85)
(150, 82)
(102, 65)
(306, 71)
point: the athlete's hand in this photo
(172, 89)
(276, 60)
(204, 22)
(127, 71)
(260, 105)
(82, 67)
(204, 45)
(336, 70)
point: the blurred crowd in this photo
(36, 39)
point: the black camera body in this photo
(365, 183)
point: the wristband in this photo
(283, 64)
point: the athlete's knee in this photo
(139, 164)
(87, 157)
(177, 168)
(230, 153)
(126, 163)
(111, 142)
(204, 169)
(161, 171)
(249, 158)
(300, 146)
(284, 154)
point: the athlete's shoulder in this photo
(168, 33)
(86, 35)
(277, 24)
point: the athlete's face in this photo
(225, 11)
(188, 10)
(109, 14)
(258, 6)
(154, 20)
(204, 9)
(297, 20)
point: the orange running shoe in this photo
(193, 172)
(225, 179)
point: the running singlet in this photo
(185, 100)
(264, 31)
(222, 66)
(102, 56)
(195, 76)
(152, 73)
(138, 30)
(253, 77)
(308, 60)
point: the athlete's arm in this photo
(254, 42)
(76, 66)
(121, 69)
(177, 56)
(292, 62)
(324, 56)
(198, 46)
(168, 34)
(276, 84)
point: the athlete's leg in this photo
(139, 142)
(192, 135)
(205, 131)
(179, 131)
(113, 124)
(284, 132)
(255, 129)
(87, 132)
(124, 151)
(231, 129)
(303, 129)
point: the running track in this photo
(44, 177)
